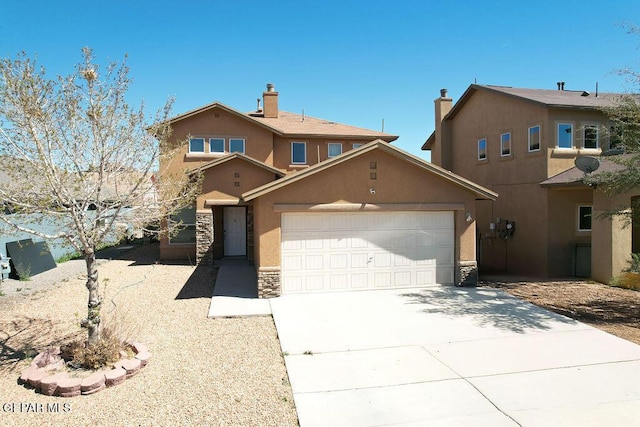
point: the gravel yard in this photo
(614, 310)
(202, 372)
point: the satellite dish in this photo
(587, 164)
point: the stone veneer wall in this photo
(269, 283)
(467, 273)
(204, 238)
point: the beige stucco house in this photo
(319, 206)
(522, 144)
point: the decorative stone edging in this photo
(43, 374)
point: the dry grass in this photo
(202, 372)
(627, 280)
(614, 310)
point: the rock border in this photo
(45, 377)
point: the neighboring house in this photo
(318, 205)
(522, 144)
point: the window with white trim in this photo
(482, 149)
(357, 145)
(564, 137)
(505, 144)
(584, 217)
(534, 138)
(185, 220)
(196, 145)
(590, 136)
(216, 145)
(236, 145)
(334, 149)
(298, 153)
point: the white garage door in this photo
(326, 252)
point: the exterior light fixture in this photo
(372, 190)
(468, 217)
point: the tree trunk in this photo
(92, 322)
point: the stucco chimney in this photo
(270, 102)
(439, 152)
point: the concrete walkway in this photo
(236, 292)
(450, 356)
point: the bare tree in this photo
(75, 154)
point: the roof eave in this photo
(227, 109)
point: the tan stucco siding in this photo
(488, 115)
(562, 231)
(396, 182)
(316, 150)
(218, 123)
(525, 252)
(229, 180)
(611, 241)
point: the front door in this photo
(235, 231)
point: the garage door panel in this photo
(359, 260)
(346, 251)
(292, 262)
(426, 277)
(314, 262)
(382, 280)
(360, 281)
(338, 261)
(314, 282)
(401, 261)
(339, 282)
(444, 275)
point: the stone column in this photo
(204, 237)
(467, 273)
(269, 282)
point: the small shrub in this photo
(24, 272)
(627, 280)
(634, 264)
(82, 355)
(68, 257)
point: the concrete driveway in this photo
(451, 356)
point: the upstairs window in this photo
(236, 145)
(505, 144)
(534, 138)
(298, 153)
(196, 145)
(335, 149)
(482, 149)
(357, 145)
(216, 145)
(590, 136)
(565, 135)
(584, 217)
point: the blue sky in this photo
(354, 62)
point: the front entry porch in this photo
(224, 231)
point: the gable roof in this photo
(571, 99)
(374, 145)
(233, 156)
(548, 98)
(430, 141)
(295, 125)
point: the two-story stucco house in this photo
(522, 144)
(318, 205)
